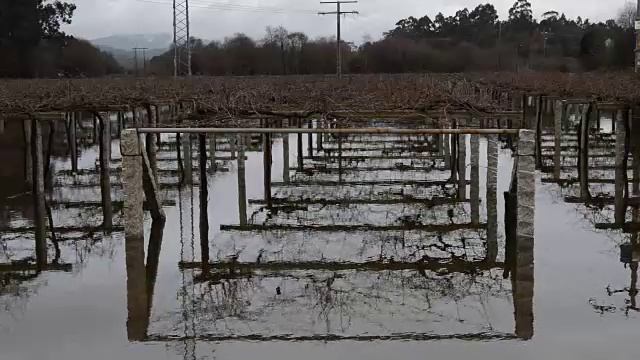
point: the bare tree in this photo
(627, 15)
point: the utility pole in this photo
(338, 12)
(144, 60)
(637, 22)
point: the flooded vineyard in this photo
(118, 243)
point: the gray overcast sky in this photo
(100, 18)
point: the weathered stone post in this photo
(524, 275)
(242, 184)
(105, 173)
(622, 118)
(37, 161)
(285, 158)
(188, 159)
(131, 151)
(584, 152)
(267, 159)
(559, 114)
(491, 197)
(28, 163)
(212, 152)
(73, 141)
(475, 179)
(462, 167)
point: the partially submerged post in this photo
(285, 158)
(475, 179)
(446, 145)
(462, 167)
(28, 163)
(622, 118)
(491, 196)
(538, 131)
(37, 161)
(300, 153)
(242, 184)
(524, 274)
(204, 202)
(584, 152)
(310, 139)
(105, 167)
(150, 143)
(73, 141)
(212, 152)
(188, 159)
(267, 158)
(559, 114)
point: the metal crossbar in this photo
(327, 131)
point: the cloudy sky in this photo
(215, 19)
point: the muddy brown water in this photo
(97, 309)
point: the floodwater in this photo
(118, 300)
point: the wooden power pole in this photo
(144, 60)
(338, 12)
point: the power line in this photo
(144, 60)
(213, 6)
(338, 12)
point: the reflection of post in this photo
(558, 115)
(462, 167)
(584, 152)
(212, 152)
(28, 164)
(266, 150)
(105, 167)
(524, 274)
(621, 125)
(137, 295)
(73, 141)
(475, 179)
(285, 158)
(204, 202)
(242, 186)
(132, 182)
(188, 161)
(491, 197)
(37, 161)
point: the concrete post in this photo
(37, 161)
(462, 167)
(131, 151)
(620, 183)
(212, 152)
(285, 158)
(524, 276)
(242, 184)
(559, 114)
(491, 197)
(28, 164)
(475, 179)
(105, 180)
(188, 159)
(73, 141)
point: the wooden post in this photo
(538, 131)
(37, 160)
(462, 167)
(96, 130)
(212, 152)
(158, 123)
(105, 167)
(454, 152)
(73, 142)
(310, 139)
(524, 275)
(233, 144)
(446, 139)
(286, 178)
(621, 168)
(300, 152)
(525, 105)
(267, 158)
(242, 184)
(133, 188)
(339, 157)
(475, 179)
(635, 148)
(584, 152)
(204, 203)
(558, 116)
(319, 124)
(28, 156)
(491, 197)
(1, 125)
(188, 159)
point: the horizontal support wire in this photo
(325, 131)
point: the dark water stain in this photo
(404, 292)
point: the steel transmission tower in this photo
(181, 36)
(339, 12)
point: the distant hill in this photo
(121, 46)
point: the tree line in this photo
(33, 45)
